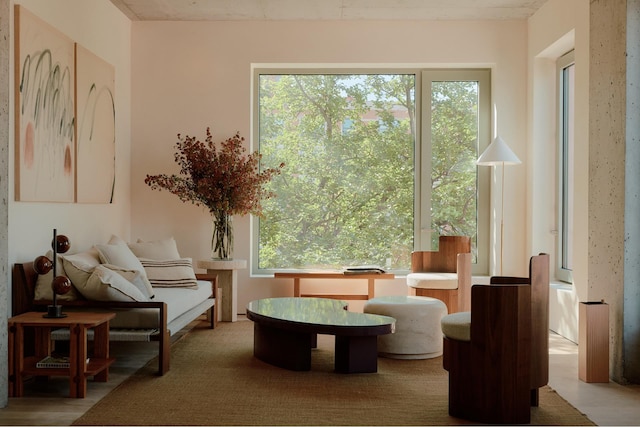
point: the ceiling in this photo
(239, 10)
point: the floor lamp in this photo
(499, 153)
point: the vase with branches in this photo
(221, 177)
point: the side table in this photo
(79, 369)
(227, 271)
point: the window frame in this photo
(563, 274)
(421, 150)
(422, 228)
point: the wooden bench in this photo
(334, 275)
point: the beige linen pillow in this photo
(109, 283)
(116, 240)
(78, 267)
(43, 289)
(121, 255)
(156, 249)
(172, 273)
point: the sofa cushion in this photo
(111, 283)
(179, 301)
(432, 280)
(171, 273)
(78, 267)
(156, 249)
(120, 255)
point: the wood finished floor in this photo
(47, 404)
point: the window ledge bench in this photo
(334, 275)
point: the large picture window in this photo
(377, 164)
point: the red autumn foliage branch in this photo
(221, 178)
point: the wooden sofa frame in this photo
(24, 279)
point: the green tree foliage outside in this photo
(454, 141)
(346, 196)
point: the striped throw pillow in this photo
(171, 273)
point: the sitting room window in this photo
(566, 81)
(378, 162)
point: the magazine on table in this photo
(363, 269)
(55, 362)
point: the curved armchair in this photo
(497, 355)
(444, 274)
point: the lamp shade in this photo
(498, 153)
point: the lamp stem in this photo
(502, 221)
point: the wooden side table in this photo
(78, 323)
(227, 272)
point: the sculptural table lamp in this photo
(60, 285)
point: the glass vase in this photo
(222, 239)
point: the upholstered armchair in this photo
(444, 274)
(497, 354)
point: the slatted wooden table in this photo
(335, 275)
(79, 369)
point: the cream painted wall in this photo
(103, 29)
(187, 76)
(558, 27)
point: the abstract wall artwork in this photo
(96, 128)
(45, 120)
(65, 117)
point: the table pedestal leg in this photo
(282, 348)
(356, 354)
(228, 282)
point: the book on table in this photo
(54, 362)
(363, 269)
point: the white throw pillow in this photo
(107, 284)
(156, 249)
(78, 267)
(121, 255)
(43, 289)
(172, 273)
(115, 240)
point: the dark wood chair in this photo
(539, 281)
(444, 274)
(498, 354)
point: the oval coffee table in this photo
(285, 331)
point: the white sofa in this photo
(153, 298)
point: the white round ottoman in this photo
(418, 332)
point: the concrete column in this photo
(607, 111)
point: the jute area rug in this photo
(215, 380)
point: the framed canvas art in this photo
(96, 128)
(45, 111)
